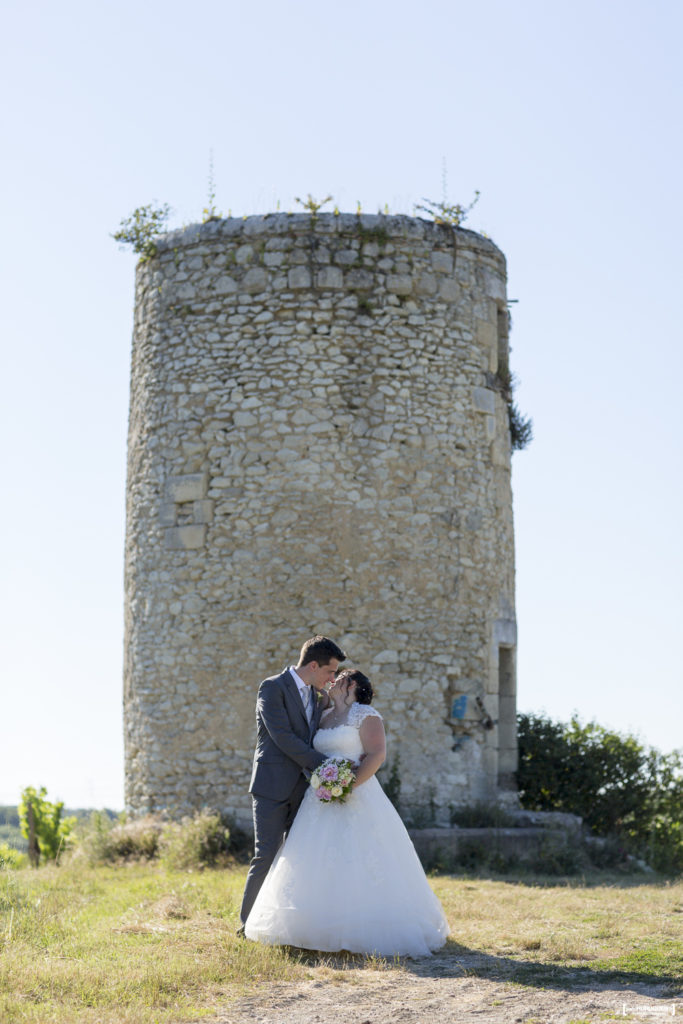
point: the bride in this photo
(347, 875)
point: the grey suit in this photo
(284, 751)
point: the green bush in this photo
(53, 832)
(194, 843)
(619, 787)
(105, 841)
(142, 229)
(11, 858)
(205, 840)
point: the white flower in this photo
(315, 781)
(336, 791)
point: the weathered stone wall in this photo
(317, 444)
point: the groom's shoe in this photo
(240, 932)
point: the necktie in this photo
(308, 702)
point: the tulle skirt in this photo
(348, 878)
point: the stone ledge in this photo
(524, 843)
(390, 225)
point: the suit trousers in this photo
(272, 821)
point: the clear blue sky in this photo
(565, 116)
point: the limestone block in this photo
(505, 633)
(167, 514)
(500, 456)
(299, 277)
(426, 284)
(409, 685)
(180, 538)
(330, 277)
(484, 400)
(487, 339)
(202, 511)
(188, 487)
(255, 280)
(245, 419)
(387, 657)
(442, 262)
(244, 254)
(225, 285)
(400, 284)
(186, 291)
(346, 257)
(359, 279)
(494, 286)
(448, 290)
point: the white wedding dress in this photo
(347, 876)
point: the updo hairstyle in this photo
(364, 691)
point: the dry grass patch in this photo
(117, 945)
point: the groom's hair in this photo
(322, 650)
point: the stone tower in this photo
(318, 443)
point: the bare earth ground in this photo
(445, 989)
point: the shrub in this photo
(53, 832)
(194, 843)
(142, 229)
(105, 841)
(11, 858)
(617, 785)
(559, 858)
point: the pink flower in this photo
(329, 773)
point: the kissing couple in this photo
(337, 875)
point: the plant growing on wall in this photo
(210, 212)
(521, 427)
(142, 229)
(443, 212)
(311, 204)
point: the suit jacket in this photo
(283, 738)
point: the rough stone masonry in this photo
(317, 445)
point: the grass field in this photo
(140, 945)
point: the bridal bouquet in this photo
(333, 780)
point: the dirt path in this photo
(442, 991)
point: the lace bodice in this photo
(344, 740)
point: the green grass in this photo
(137, 943)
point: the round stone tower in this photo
(319, 443)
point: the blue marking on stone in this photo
(459, 706)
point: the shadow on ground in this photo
(660, 973)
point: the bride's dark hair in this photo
(364, 691)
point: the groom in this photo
(288, 710)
